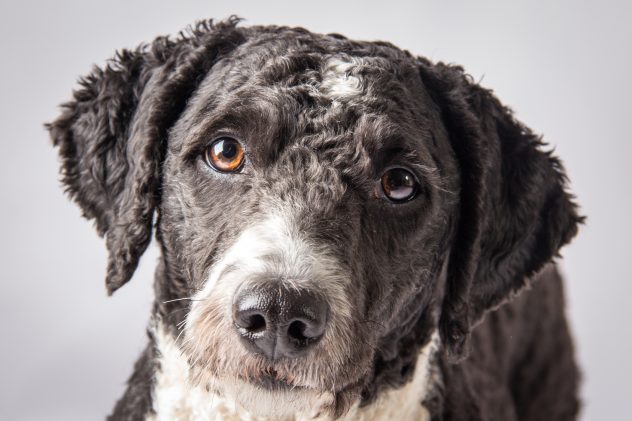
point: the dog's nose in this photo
(279, 322)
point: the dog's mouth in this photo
(272, 380)
(273, 383)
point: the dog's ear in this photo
(514, 211)
(112, 135)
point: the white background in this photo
(564, 66)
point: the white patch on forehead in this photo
(338, 83)
(175, 398)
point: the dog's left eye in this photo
(398, 185)
(224, 154)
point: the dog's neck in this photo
(176, 399)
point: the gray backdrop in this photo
(564, 66)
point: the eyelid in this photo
(196, 144)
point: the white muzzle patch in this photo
(175, 398)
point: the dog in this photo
(347, 231)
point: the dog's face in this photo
(312, 180)
(323, 205)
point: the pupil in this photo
(229, 150)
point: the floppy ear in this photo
(514, 211)
(112, 135)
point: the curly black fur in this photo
(495, 209)
(112, 136)
(515, 213)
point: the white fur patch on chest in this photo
(176, 399)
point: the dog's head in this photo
(322, 205)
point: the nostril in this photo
(255, 323)
(250, 322)
(305, 332)
(296, 331)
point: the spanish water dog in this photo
(347, 231)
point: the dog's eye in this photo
(399, 184)
(225, 154)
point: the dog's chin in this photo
(270, 397)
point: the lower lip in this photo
(270, 383)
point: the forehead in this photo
(291, 86)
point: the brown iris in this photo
(399, 184)
(225, 154)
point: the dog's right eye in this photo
(224, 154)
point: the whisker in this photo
(179, 334)
(183, 299)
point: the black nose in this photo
(279, 322)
